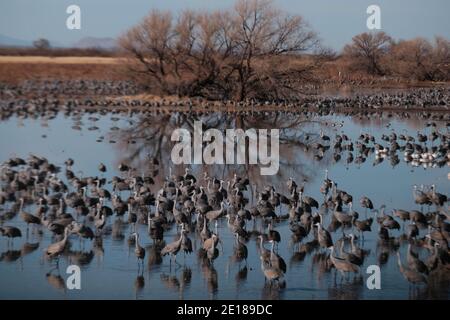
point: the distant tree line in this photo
(379, 54)
(257, 51)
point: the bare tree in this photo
(41, 44)
(441, 59)
(410, 59)
(419, 59)
(224, 54)
(262, 34)
(367, 50)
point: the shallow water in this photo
(113, 271)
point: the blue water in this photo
(113, 272)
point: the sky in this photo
(336, 21)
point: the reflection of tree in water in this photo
(150, 137)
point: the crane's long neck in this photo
(66, 235)
(213, 247)
(261, 246)
(414, 191)
(341, 247)
(352, 242)
(137, 241)
(399, 262)
(181, 238)
(332, 252)
(409, 250)
(157, 209)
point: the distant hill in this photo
(6, 41)
(93, 42)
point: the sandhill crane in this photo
(263, 252)
(213, 215)
(27, 217)
(366, 203)
(362, 225)
(390, 223)
(155, 229)
(412, 276)
(240, 249)
(270, 273)
(291, 184)
(436, 198)
(412, 231)
(55, 249)
(420, 197)
(344, 218)
(275, 260)
(210, 247)
(273, 235)
(173, 248)
(298, 230)
(357, 251)
(205, 233)
(82, 230)
(323, 236)
(10, 232)
(418, 217)
(102, 168)
(188, 176)
(311, 202)
(350, 257)
(186, 244)
(138, 250)
(342, 265)
(414, 262)
(99, 220)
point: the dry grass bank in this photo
(59, 60)
(15, 69)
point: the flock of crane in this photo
(195, 205)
